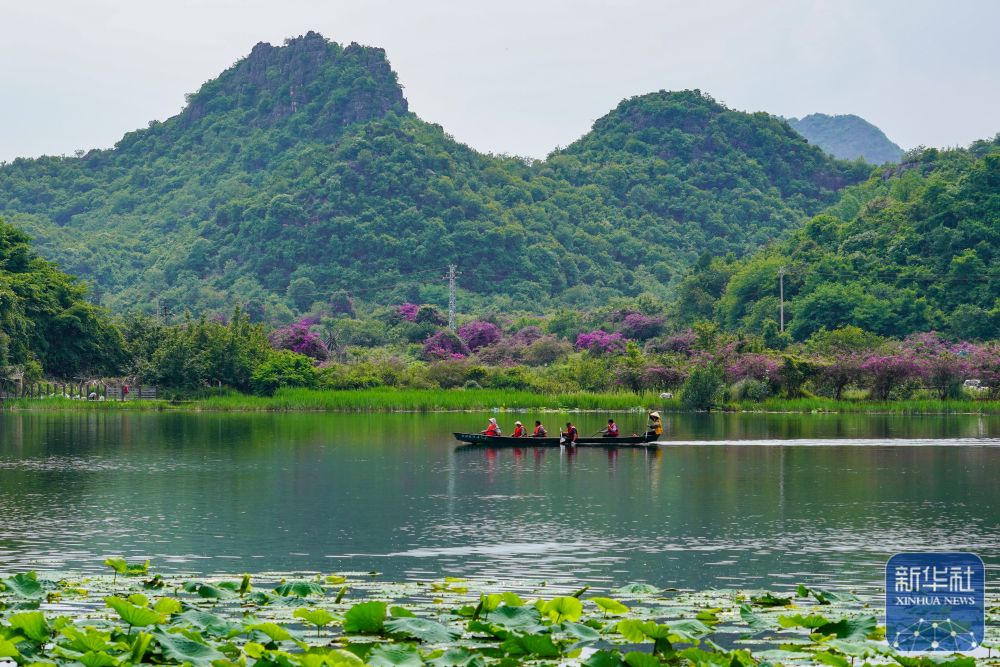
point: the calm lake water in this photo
(730, 500)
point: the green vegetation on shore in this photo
(434, 400)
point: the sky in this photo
(513, 76)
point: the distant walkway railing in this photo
(83, 391)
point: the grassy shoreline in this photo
(427, 400)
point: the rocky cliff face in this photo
(329, 86)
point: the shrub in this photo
(444, 345)
(752, 367)
(527, 335)
(750, 390)
(283, 368)
(641, 327)
(429, 315)
(683, 342)
(408, 311)
(297, 337)
(886, 371)
(546, 350)
(451, 373)
(479, 334)
(702, 388)
(662, 377)
(601, 342)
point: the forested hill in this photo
(299, 172)
(915, 248)
(847, 137)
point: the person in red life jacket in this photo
(493, 429)
(539, 431)
(518, 430)
(612, 430)
(571, 435)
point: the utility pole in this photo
(781, 282)
(451, 296)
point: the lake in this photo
(729, 500)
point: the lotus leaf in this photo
(394, 655)
(425, 630)
(639, 659)
(365, 617)
(563, 609)
(604, 659)
(637, 589)
(609, 606)
(301, 589)
(458, 657)
(31, 624)
(24, 585)
(534, 644)
(135, 617)
(183, 649)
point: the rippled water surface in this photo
(728, 500)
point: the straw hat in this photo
(654, 415)
(493, 420)
(518, 424)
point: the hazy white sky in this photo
(514, 76)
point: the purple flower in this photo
(601, 342)
(408, 311)
(752, 367)
(479, 334)
(298, 338)
(682, 341)
(445, 345)
(888, 371)
(641, 327)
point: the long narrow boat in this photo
(646, 440)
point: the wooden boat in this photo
(646, 440)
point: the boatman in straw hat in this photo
(655, 424)
(493, 429)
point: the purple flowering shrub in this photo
(641, 327)
(527, 335)
(751, 366)
(298, 338)
(601, 342)
(839, 372)
(444, 344)
(408, 311)
(479, 334)
(682, 342)
(887, 371)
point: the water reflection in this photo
(816, 498)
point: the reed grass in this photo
(922, 406)
(439, 400)
(427, 400)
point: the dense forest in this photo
(299, 172)
(847, 137)
(914, 248)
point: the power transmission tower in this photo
(451, 296)
(781, 282)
